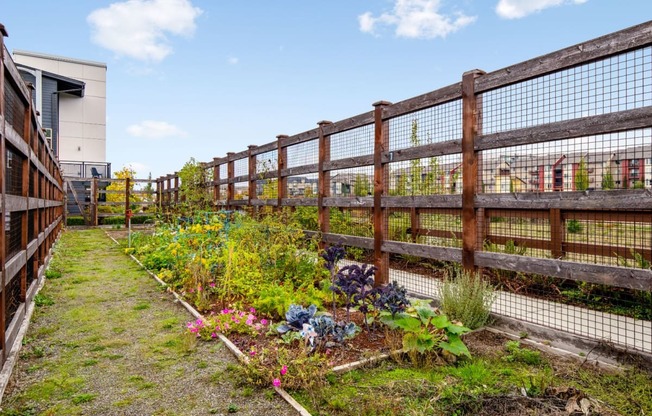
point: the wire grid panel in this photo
(353, 182)
(267, 188)
(13, 227)
(302, 154)
(12, 300)
(303, 186)
(431, 125)
(307, 217)
(224, 171)
(14, 172)
(621, 82)
(241, 190)
(437, 175)
(241, 167)
(14, 108)
(351, 143)
(609, 161)
(520, 232)
(224, 189)
(356, 222)
(267, 162)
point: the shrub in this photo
(466, 297)
(72, 221)
(574, 226)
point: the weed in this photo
(82, 398)
(232, 408)
(521, 355)
(43, 300)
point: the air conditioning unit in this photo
(48, 136)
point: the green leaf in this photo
(410, 341)
(408, 323)
(455, 346)
(457, 329)
(441, 322)
(425, 314)
(425, 342)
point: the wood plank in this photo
(13, 266)
(448, 147)
(579, 127)
(349, 240)
(16, 140)
(349, 162)
(381, 186)
(15, 203)
(299, 202)
(605, 250)
(426, 201)
(556, 233)
(420, 102)
(427, 232)
(303, 137)
(14, 326)
(425, 251)
(349, 202)
(300, 170)
(240, 179)
(609, 216)
(349, 123)
(263, 202)
(519, 241)
(268, 147)
(14, 77)
(637, 279)
(517, 213)
(625, 200)
(604, 46)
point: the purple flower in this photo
(276, 382)
(284, 370)
(249, 322)
(263, 321)
(252, 310)
(211, 284)
(213, 335)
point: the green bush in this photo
(71, 221)
(467, 297)
(574, 226)
(121, 220)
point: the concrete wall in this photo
(82, 121)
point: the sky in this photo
(200, 78)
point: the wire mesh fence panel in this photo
(431, 125)
(14, 172)
(241, 190)
(351, 143)
(601, 162)
(12, 301)
(224, 171)
(355, 222)
(307, 217)
(224, 189)
(437, 175)
(241, 167)
(267, 162)
(302, 186)
(13, 225)
(620, 82)
(354, 182)
(14, 108)
(302, 154)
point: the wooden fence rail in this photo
(32, 200)
(482, 133)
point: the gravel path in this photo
(106, 340)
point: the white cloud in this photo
(139, 28)
(232, 60)
(515, 9)
(416, 19)
(150, 129)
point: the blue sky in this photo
(199, 78)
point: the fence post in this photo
(556, 234)
(469, 168)
(216, 181)
(3, 153)
(252, 177)
(230, 187)
(323, 182)
(176, 188)
(282, 157)
(94, 219)
(127, 197)
(381, 145)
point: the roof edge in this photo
(58, 58)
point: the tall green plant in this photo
(582, 176)
(466, 297)
(193, 193)
(608, 180)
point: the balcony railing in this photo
(75, 169)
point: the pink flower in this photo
(252, 310)
(249, 322)
(199, 288)
(284, 370)
(213, 335)
(211, 284)
(263, 321)
(199, 322)
(252, 352)
(191, 290)
(258, 327)
(276, 382)
(251, 317)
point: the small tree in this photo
(608, 180)
(361, 186)
(118, 189)
(582, 176)
(193, 192)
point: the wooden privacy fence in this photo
(32, 200)
(548, 156)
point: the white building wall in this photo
(82, 121)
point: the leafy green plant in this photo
(355, 283)
(467, 297)
(296, 317)
(521, 355)
(427, 331)
(574, 226)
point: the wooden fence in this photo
(497, 145)
(32, 200)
